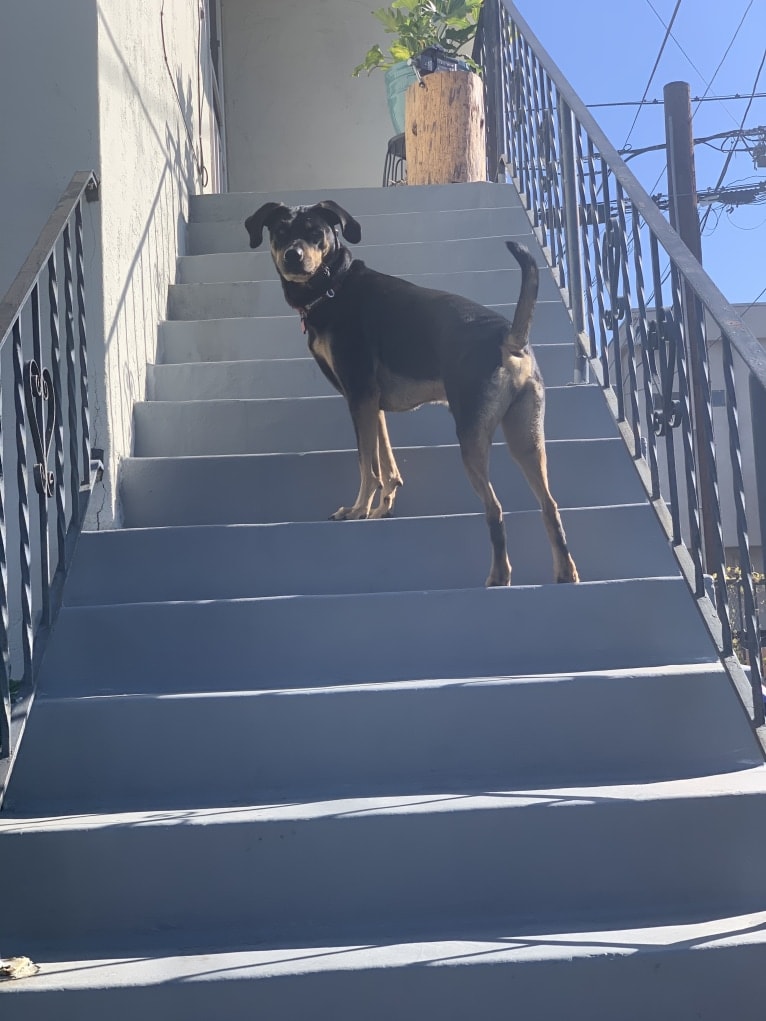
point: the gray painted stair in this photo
(286, 767)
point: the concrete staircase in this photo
(287, 768)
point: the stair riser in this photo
(395, 555)
(265, 488)
(167, 429)
(438, 226)
(290, 377)
(316, 641)
(686, 983)
(466, 256)
(359, 201)
(265, 297)
(350, 874)
(458, 736)
(280, 336)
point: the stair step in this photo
(464, 256)
(289, 377)
(265, 297)
(262, 488)
(701, 971)
(219, 236)
(291, 425)
(358, 201)
(308, 641)
(464, 734)
(279, 335)
(349, 868)
(395, 555)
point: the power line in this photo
(749, 96)
(725, 55)
(730, 154)
(656, 65)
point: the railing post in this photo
(494, 85)
(570, 191)
(758, 421)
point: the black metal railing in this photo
(47, 467)
(642, 307)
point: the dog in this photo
(387, 344)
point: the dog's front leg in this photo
(364, 413)
(389, 472)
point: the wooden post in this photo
(444, 133)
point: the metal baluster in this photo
(687, 436)
(71, 374)
(25, 553)
(53, 301)
(84, 411)
(526, 128)
(603, 353)
(647, 356)
(5, 655)
(555, 183)
(507, 30)
(35, 396)
(582, 219)
(611, 253)
(750, 617)
(629, 336)
(671, 408)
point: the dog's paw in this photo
(349, 514)
(567, 573)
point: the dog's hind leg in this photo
(523, 430)
(364, 413)
(389, 472)
(474, 448)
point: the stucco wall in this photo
(150, 160)
(295, 118)
(84, 85)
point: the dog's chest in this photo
(321, 348)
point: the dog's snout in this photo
(294, 256)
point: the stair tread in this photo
(494, 946)
(750, 780)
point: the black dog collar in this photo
(330, 276)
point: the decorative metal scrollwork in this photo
(669, 414)
(39, 394)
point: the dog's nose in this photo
(294, 257)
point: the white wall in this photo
(295, 118)
(150, 157)
(84, 85)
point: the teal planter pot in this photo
(398, 80)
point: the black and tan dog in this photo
(390, 345)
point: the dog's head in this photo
(302, 237)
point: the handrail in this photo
(641, 335)
(721, 311)
(47, 414)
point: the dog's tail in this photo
(518, 337)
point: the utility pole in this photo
(682, 194)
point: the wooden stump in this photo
(444, 132)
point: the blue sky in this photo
(607, 49)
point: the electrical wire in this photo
(730, 154)
(656, 65)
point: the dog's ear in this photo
(267, 215)
(336, 214)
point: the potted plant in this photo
(418, 25)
